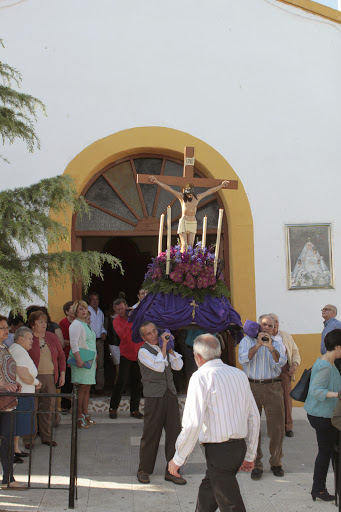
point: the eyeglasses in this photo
(327, 309)
(4, 328)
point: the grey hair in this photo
(207, 346)
(334, 307)
(20, 333)
(266, 316)
(141, 329)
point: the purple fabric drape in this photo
(172, 311)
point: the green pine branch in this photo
(29, 217)
(18, 110)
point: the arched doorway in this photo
(156, 140)
(125, 220)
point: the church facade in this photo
(253, 86)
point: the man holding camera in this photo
(262, 359)
(161, 409)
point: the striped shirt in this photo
(262, 365)
(97, 322)
(329, 325)
(219, 406)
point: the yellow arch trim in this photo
(172, 142)
(315, 8)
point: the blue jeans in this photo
(7, 420)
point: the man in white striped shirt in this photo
(262, 359)
(220, 410)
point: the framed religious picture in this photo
(310, 258)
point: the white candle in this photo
(204, 229)
(169, 233)
(162, 218)
(220, 221)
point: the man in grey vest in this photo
(161, 409)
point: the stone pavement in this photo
(108, 460)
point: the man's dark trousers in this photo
(219, 488)
(161, 412)
(129, 371)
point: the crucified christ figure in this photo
(189, 203)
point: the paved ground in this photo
(108, 460)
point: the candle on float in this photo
(159, 249)
(169, 233)
(220, 221)
(204, 229)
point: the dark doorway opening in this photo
(135, 254)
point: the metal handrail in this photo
(73, 452)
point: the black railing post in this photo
(338, 467)
(73, 461)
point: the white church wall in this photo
(257, 80)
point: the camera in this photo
(265, 339)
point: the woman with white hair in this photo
(26, 375)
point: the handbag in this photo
(7, 375)
(301, 389)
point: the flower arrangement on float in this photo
(191, 273)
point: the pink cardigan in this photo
(57, 353)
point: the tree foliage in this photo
(28, 215)
(18, 111)
(27, 226)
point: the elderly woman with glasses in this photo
(49, 358)
(26, 375)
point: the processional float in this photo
(185, 283)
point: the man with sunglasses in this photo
(329, 313)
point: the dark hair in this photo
(117, 302)
(3, 318)
(67, 306)
(93, 294)
(190, 191)
(332, 339)
(145, 325)
(15, 319)
(34, 316)
(33, 309)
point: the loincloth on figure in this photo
(187, 226)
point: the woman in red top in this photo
(48, 356)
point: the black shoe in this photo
(178, 480)
(324, 496)
(289, 433)
(22, 454)
(256, 474)
(112, 414)
(143, 477)
(277, 470)
(17, 459)
(136, 414)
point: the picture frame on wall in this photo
(310, 256)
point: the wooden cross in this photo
(188, 173)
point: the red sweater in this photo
(57, 353)
(64, 325)
(128, 348)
